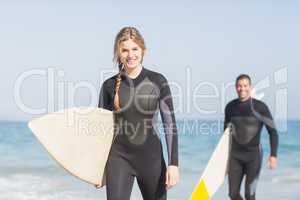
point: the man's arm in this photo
(227, 117)
(270, 125)
(273, 135)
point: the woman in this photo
(136, 94)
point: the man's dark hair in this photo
(243, 76)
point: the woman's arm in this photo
(104, 97)
(170, 128)
(169, 122)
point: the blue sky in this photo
(213, 41)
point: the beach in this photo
(27, 172)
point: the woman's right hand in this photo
(97, 186)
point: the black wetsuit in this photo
(137, 150)
(247, 119)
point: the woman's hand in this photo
(172, 176)
(97, 186)
(272, 162)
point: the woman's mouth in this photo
(131, 61)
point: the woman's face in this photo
(130, 54)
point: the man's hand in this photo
(172, 176)
(272, 162)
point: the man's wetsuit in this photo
(137, 150)
(247, 119)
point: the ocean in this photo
(27, 172)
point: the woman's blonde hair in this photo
(125, 34)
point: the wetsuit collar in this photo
(247, 101)
(136, 80)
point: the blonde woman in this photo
(136, 95)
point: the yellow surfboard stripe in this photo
(200, 192)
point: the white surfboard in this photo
(79, 139)
(215, 171)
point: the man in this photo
(246, 117)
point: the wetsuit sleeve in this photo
(270, 125)
(169, 123)
(104, 98)
(227, 117)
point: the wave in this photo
(286, 179)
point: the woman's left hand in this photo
(272, 162)
(172, 176)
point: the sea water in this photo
(27, 172)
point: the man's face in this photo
(243, 89)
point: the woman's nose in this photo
(130, 54)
